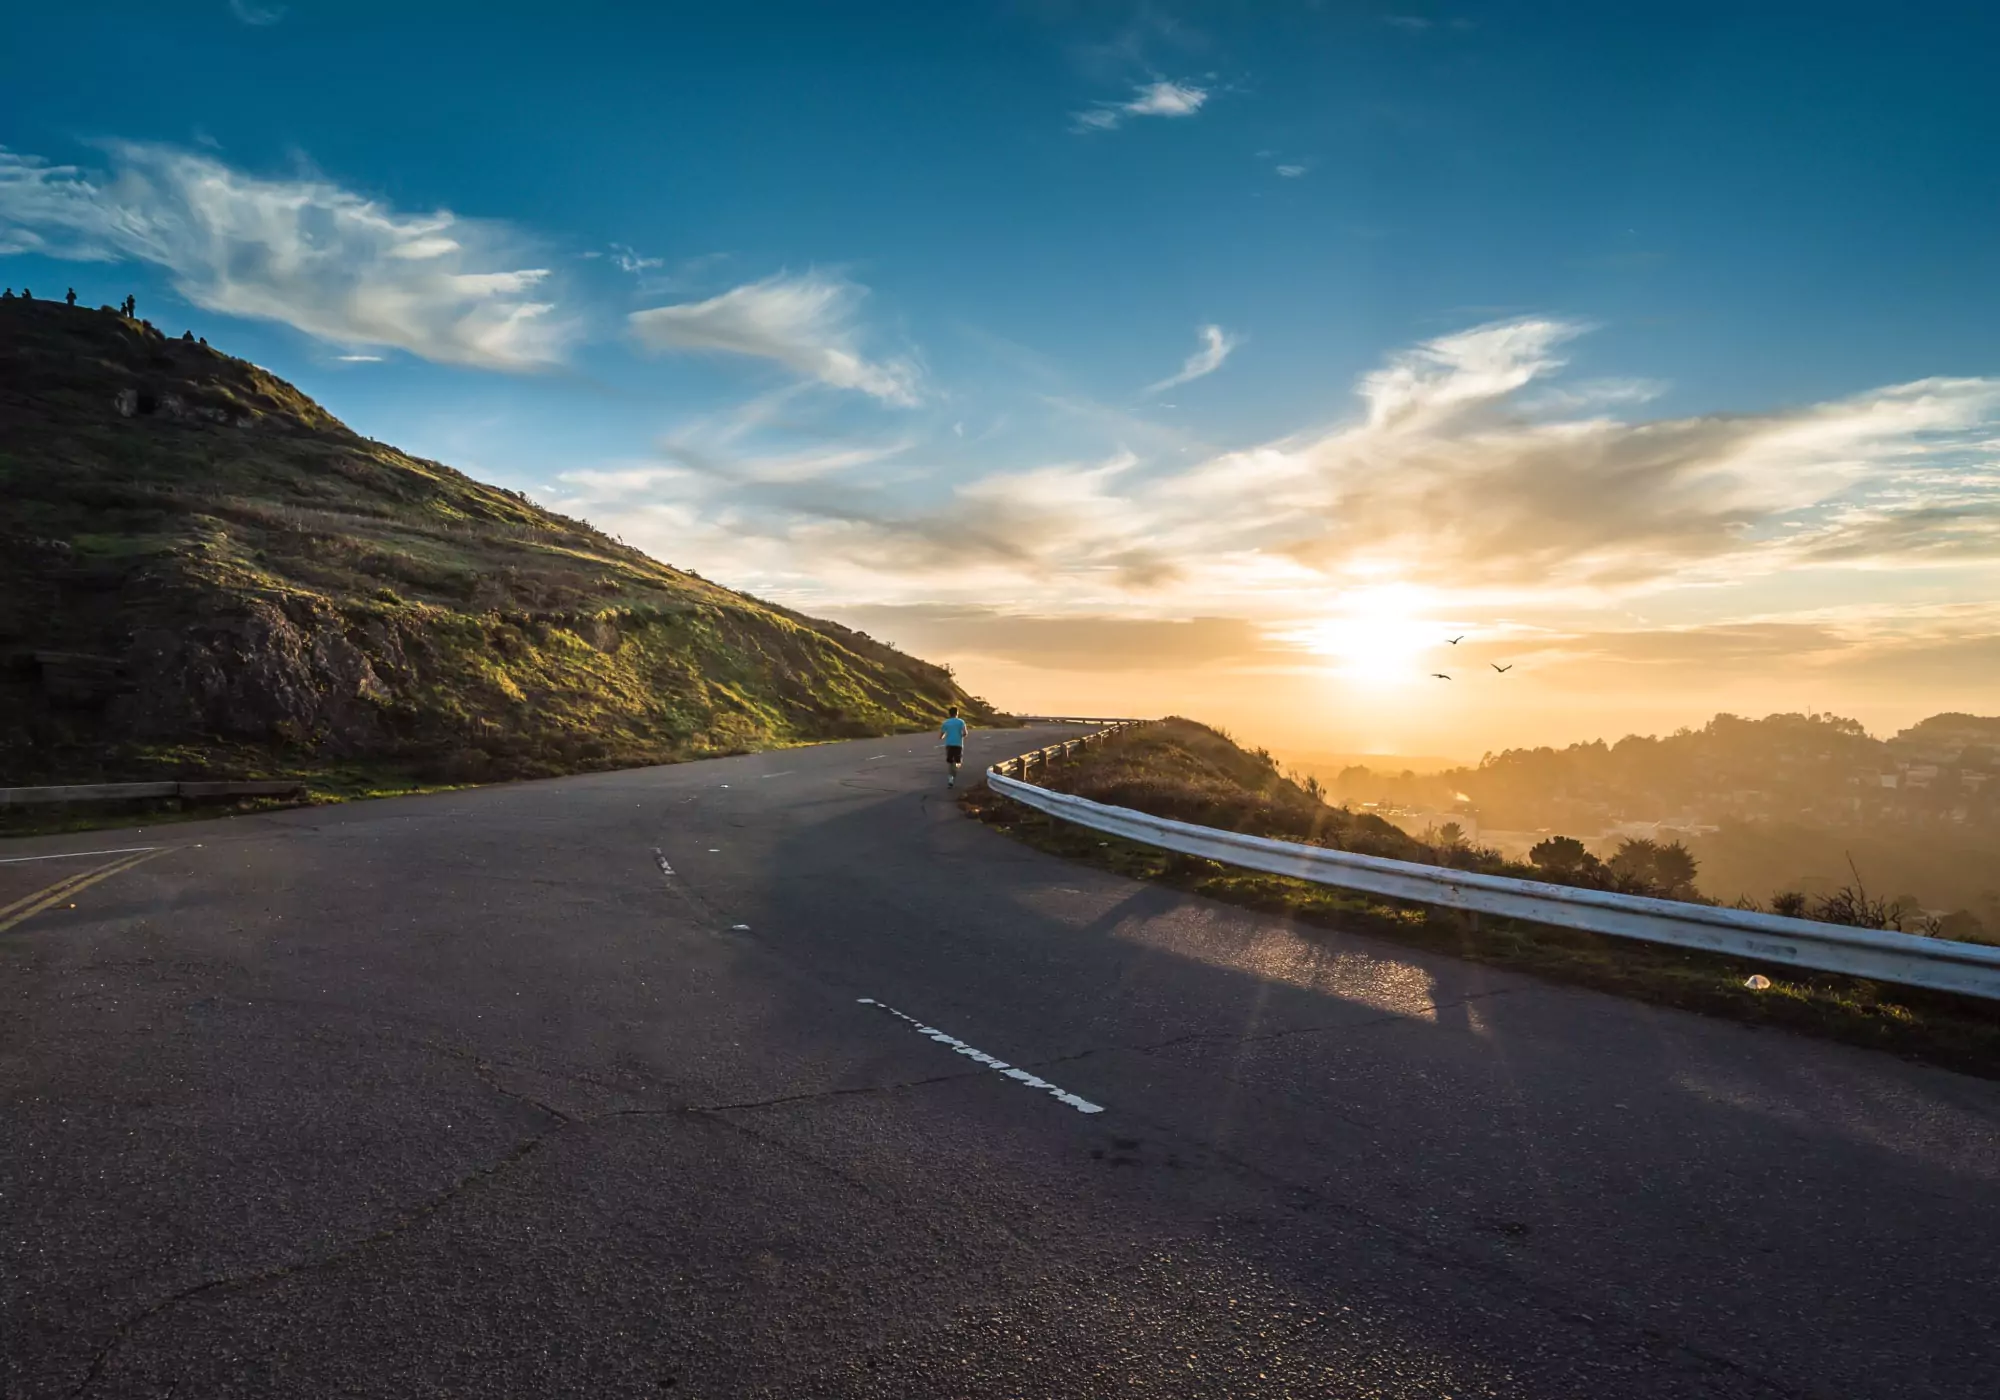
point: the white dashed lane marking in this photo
(1033, 1081)
(80, 855)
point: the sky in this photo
(1215, 359)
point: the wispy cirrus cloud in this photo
(1158, 98)
(304, 251)
(1216, 346)
(1454, 474)
(1952, 647)
(1068, 643)
(628, 260)
(257, 15)
(810, 324)
(1283, 166)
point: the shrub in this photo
(1963, 925)
(1562, 856)
(1852, 905)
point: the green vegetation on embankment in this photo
(1186, 771)
(204, 574)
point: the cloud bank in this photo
(1456, 473)
(809, 324)
(305, 252)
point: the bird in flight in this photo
(1455, 641)
(1503, 670)
(1440, 676)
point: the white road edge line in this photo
(1081, 1105)
(661, 856)
(79, 855)
(782, 772)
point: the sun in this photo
(1376, 634)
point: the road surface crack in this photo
(402, 1224)
(1595, 1311)
(423, 1211)
(785, 1100)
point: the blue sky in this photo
(862, 307)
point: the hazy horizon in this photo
(1183, 359)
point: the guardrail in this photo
(123, 792)
(1072, 719)
(1025, 763)
(1941, 964)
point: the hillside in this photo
(1192, 773)
(1787, 802)
(1785, 767)
(202, 572)
(1189, 772)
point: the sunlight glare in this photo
(1377, 635)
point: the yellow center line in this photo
(45, 891)
(30, 905)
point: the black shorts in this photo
(954, 753)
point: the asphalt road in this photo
(620, 1086)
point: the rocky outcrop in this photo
(267, 674)
(143, 403)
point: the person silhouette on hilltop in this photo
(71, 298)
(130, 307)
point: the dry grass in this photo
(1192, 773)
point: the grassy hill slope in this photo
(202, 572)
(1191, 773)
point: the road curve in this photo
(776, 1076)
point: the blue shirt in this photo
(954, 732)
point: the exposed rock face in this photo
(70, 678)
(261, 676)
(138, 403)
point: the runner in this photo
(953, 734)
